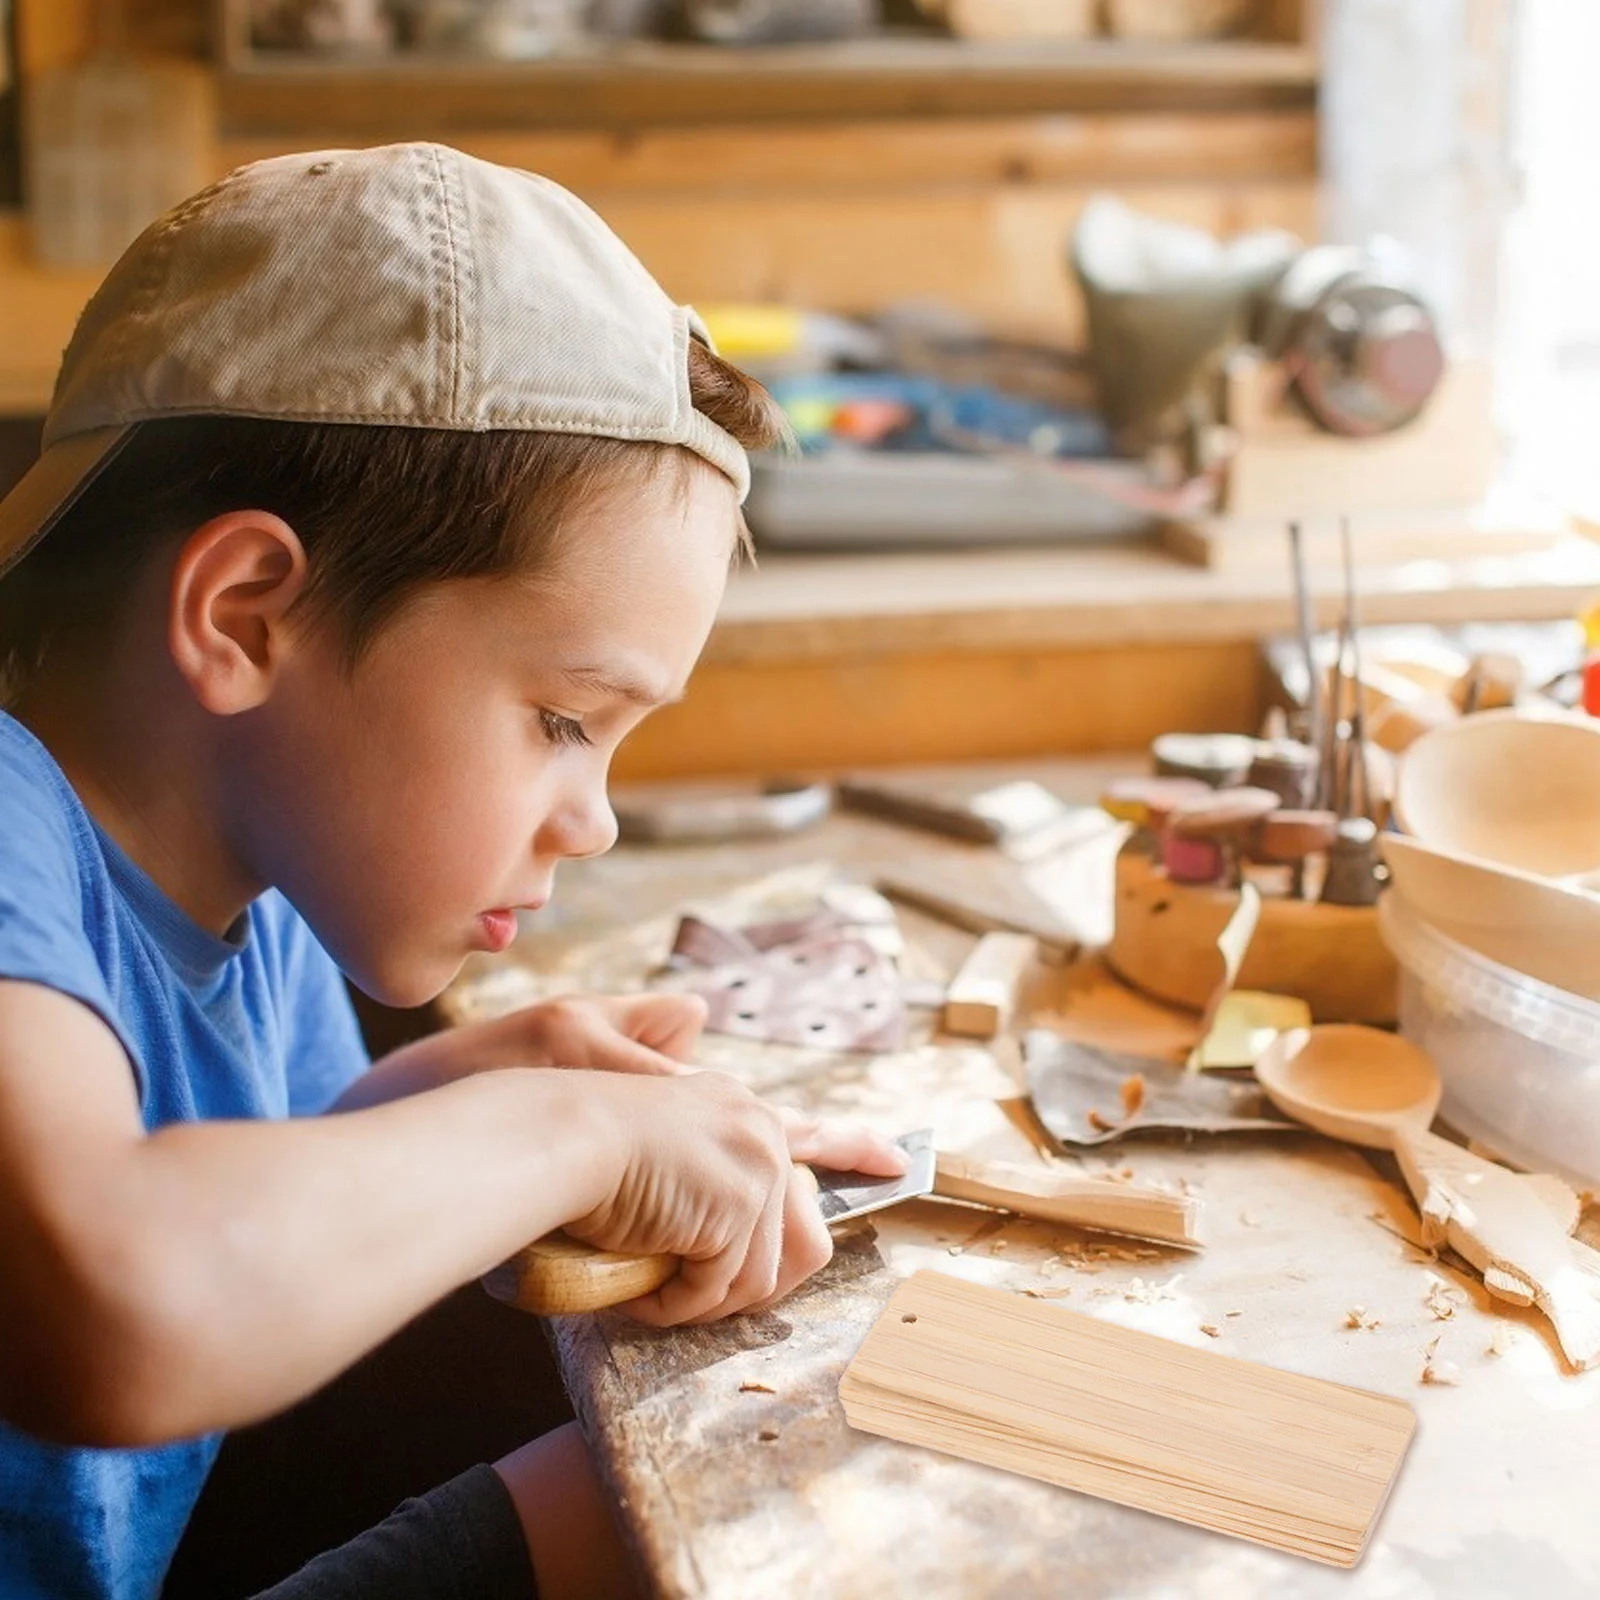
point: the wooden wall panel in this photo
(998, 255)
(827, 715)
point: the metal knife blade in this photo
(842, 1195)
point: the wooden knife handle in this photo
(559, 1275)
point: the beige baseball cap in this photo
(409, 285)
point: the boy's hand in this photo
(710, 1173)
(649, 1033)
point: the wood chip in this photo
(1443, 1300)
(1132, 1095)
(1499, 1340)
(1099, 1123)
(1211, 1330)
(756, 1388)
(1356, 1317)
(1233, 1313)
(1436, 1370)
(1294, 1463)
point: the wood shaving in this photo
(1059, 1293)
(1446, 1374)
(1099, 1123)
(1499, 1340)
(1356, 1317)
(756, 1388)
(1132, 1095)
(1233, 1313)
(1211, 1330)
(1443, 1300)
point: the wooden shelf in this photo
(645, 84)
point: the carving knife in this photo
(557, 1275)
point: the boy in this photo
(383, 494)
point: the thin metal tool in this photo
(1328, 795)
(1358, 721)
(1302, 609)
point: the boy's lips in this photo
(499, 927)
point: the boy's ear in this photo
(232, 585)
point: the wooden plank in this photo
(641, 84)
(1214, 147)
(997, 254)
(1058, 1194)
(822, 715)
(865, 605)
(1295, 1463)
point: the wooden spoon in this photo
(1377, 1089)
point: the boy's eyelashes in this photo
(562, 730)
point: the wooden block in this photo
(1295, 1463)
(1057, 1194)
(983, 994)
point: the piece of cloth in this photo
(462, 1541)
(256, 1024)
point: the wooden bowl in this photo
(1507, 789)
(1549, 931)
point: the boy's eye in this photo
(562, 730)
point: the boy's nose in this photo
(584, 825)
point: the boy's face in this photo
(408, 809)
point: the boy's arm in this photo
(198, 1277)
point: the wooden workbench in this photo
(726, 1446)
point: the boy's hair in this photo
(381, 511)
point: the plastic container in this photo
(1519, 1059)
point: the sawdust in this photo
(1137, 1292)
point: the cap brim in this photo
(51, 485)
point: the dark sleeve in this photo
(461, 1542)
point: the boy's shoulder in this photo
(253, 1024)
(47, 842)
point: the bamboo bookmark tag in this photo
(1296, 1463)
